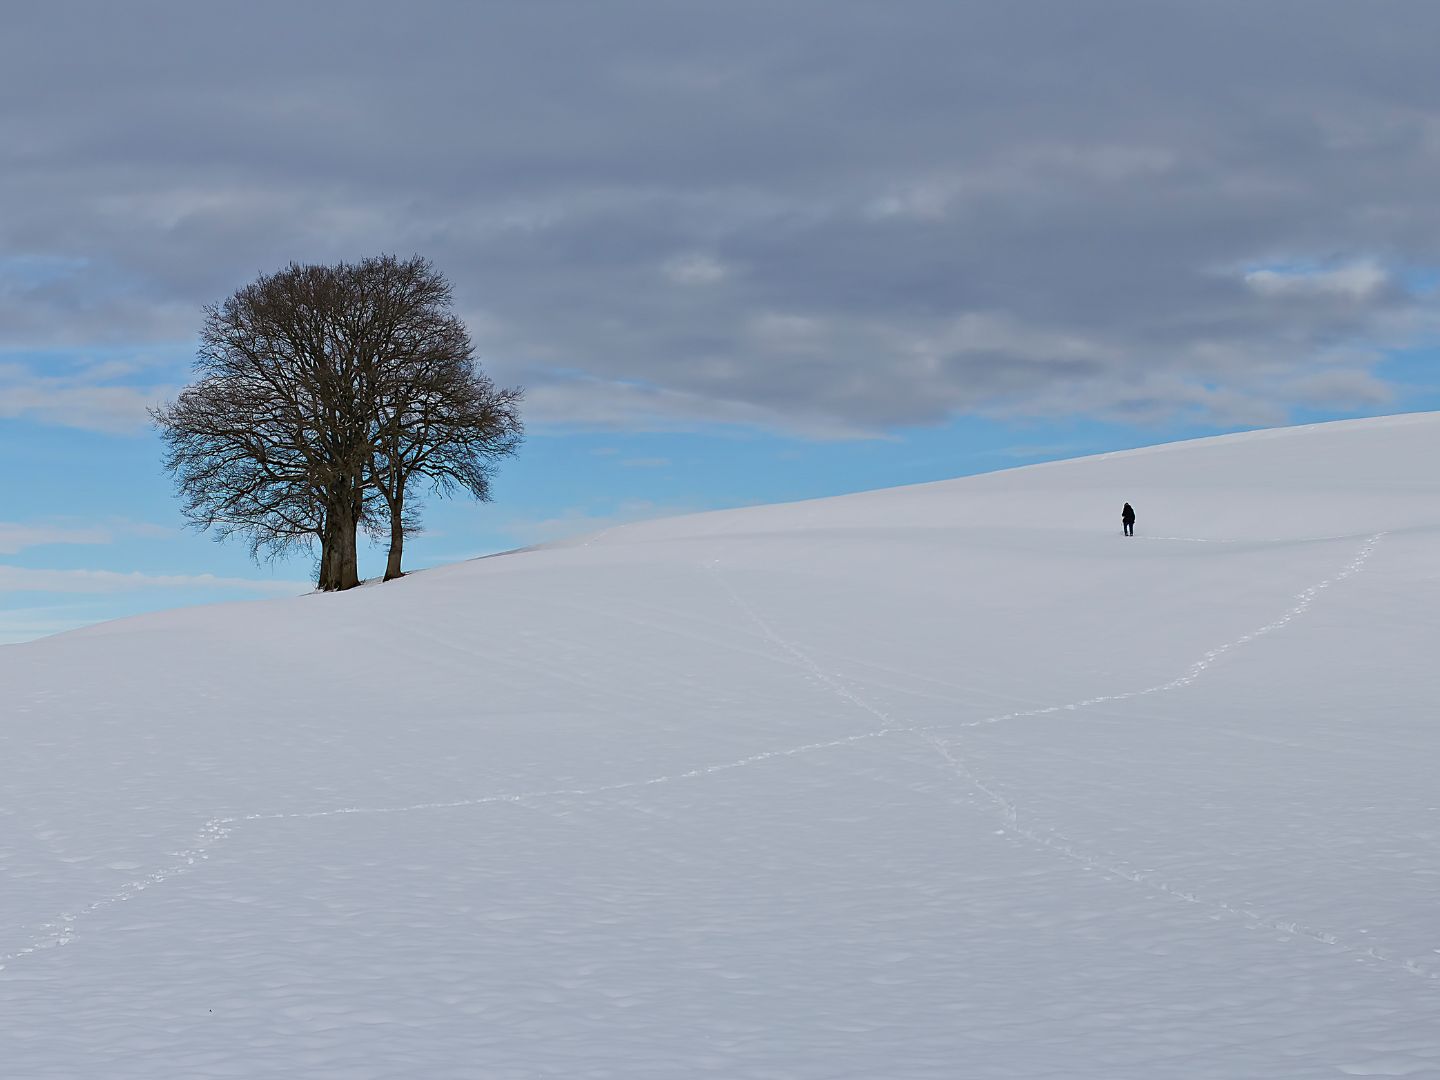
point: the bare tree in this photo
(442, 421)
(296, 430)
(435, 416)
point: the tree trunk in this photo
(339, 561)
(397, 541)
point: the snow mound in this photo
(943, 781)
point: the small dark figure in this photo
(1127, 518)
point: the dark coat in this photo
(1128, 515)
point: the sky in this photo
(734, 253)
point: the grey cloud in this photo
(1327, 388)
(833, 217)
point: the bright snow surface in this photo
(948, 781)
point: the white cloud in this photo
(695, 269)
(1032, 168)
(89, 399)
(1355, 281)
(30, 579)
(16, 536)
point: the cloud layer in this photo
(18, 536)
(15, 579)
(830, 217)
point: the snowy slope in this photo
(950, 781)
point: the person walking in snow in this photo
(1127, 518)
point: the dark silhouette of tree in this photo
(437, 417)
(325, 394)
(442, 422)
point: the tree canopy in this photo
(326, 399)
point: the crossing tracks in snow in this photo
(63, 929)
(1057, 842)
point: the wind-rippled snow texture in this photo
(927, 783)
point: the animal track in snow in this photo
(1303, 602)
(61, 930)
(1061, 844)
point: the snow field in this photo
(934, 782)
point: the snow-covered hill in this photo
(951, 781)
